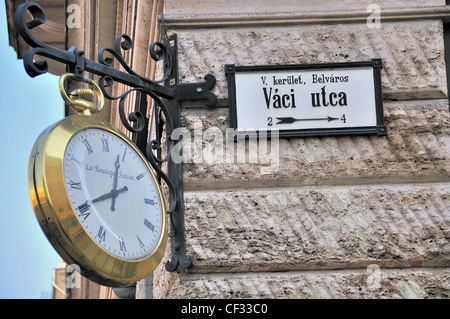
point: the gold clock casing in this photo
(58, 220)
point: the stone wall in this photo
(332, 217)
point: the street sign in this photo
(307, 99)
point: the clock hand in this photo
(111, 194)
(103, 197)
(116, 175)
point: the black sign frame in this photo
(380, 129)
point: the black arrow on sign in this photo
(290, 120)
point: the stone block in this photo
(416, 150)
(352, 284)
(187, 7)
(314, 228)
(412, 53)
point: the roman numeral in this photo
(105, 145)
(74, 185)
(122, 245)
(83, 209)
(140, 176)
(88, 147)
(141, 244)
(101, 234)
(149, 225)
(149, 201)
(124, 153)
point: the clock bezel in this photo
(57, 217)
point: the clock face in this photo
(113, 194)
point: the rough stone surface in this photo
(398, 284)
(412, 53)
(318, 228)
(416, 150)
(252, 6)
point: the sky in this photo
(28, 106)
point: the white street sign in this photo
(307, 100)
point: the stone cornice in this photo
(190, 21)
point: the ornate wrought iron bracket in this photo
(167, 94)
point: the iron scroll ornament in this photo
(167, 94)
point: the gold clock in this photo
(96, 197)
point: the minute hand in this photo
(116, 176)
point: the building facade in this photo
(328, 217)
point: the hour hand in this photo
(103, 197)
(112, 194)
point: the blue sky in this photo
(28, 106)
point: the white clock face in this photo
(113, 194)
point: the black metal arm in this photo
(167, 98)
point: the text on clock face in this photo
(113, 193)
(106, 171)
